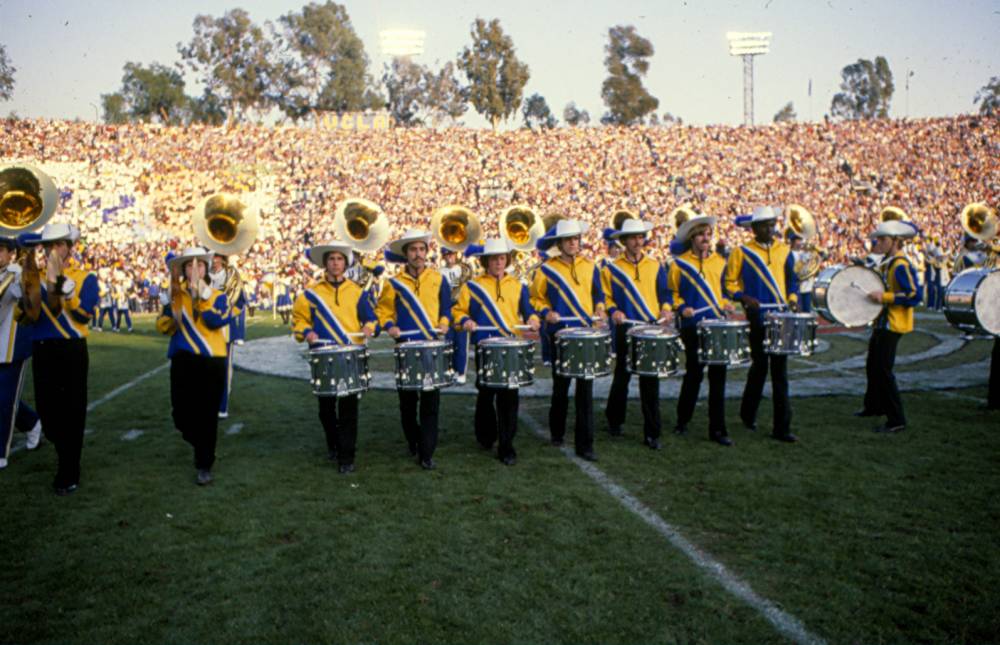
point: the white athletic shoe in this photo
(34, 436)
(239, 342)
(460, 379)
(223, 415)
(3, 463)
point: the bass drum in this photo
(840, 295)
(972, 302)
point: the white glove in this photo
(13, 268)
(69, 286)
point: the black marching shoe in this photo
(888, 429)
(787, 437)
(413, 449)
(721, 439)
(866, 413)
(63, 491)
(681, 430)
(556, 442)
(427, 464)
(331, 455)
(615, 431)
(345, 469)
(204, 477)
(751, 426)
(587, 456)
(509, 460)
(652, 443)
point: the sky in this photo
(68, 53)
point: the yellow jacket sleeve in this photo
(609, 301)
(734, 281)
(385, 309)
(674, 284)
(460, 310)
(539, 299)
(165, 323)
(302, 322)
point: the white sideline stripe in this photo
(235, 428)
(110, 395)
(788, 625)
(132, 435)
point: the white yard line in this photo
(787, 624)
(235, 428)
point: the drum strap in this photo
(326, 317)
(566, 293)
(758, 264)
(414, 307)
(624, 280)
(700, 285)
(480, 295)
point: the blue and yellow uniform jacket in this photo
(638, 289)
(571, 289)
(419, 304)
(15, 336)
(902, 294)
(489, 302)
(698, 283)
(204, 332)
(77, 308)
(335, 311)
(766, 273)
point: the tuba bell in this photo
(455, 227)
(618, 218)
(361, 223)
(801, 222)
(893, 213)
(227, 226)
(521, 227)
(28, 199)
(681, 214)
(979, 221)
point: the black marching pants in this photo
(691, 385)
(993, 397)
(583, 401)
(196, 386)
(339, 416)
(649, 391)
(882, 393)
(59, 369)
(421, 431)
(753, 392)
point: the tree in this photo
(6, 75)
(404, 83)
(496, 77)
(148, 93)
(988, 98)
(627, 61)
(537, 113)
(324, 65)
(866, 91)
(115, 111)
(232, 56)
(444, 98)
(670, 119)
(206, 109)
(574, 116)
(786, 113)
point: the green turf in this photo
(865, 538)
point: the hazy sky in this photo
(69, 52)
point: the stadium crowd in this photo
(133, 188)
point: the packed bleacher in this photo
(133, 188)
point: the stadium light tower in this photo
(401, 43)
(746, 45)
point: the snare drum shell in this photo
(790, 334)
(505, 362)
(653, 351)
(338, 371)
(724, 342)
(582, 352)
(424, 365)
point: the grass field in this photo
(861, 537)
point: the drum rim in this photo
(722, 324)
(660, 332)
(583, 332)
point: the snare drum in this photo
(506, 362)
(790, 334)
(724, 342)
(972, 302)
(339, 370)
(582, 352)
(654, 351)
(841, 295)
(423, 365)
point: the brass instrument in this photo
(28, 199)
(455, 227)
(521, 227)
(681, 214)
(227, 226)
(802, 223)
(361, 223)
(618, 218)
(890, 213)
(980, 221)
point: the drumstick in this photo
(485, 328)
(857, 286)
(414, 332)
(776, 305)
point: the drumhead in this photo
(847, 296)
(582, 332)
(726, 324)
(335, 349)
(503, 341)
(651, 331)
(988, 303)
(421, 344)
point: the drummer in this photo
(760, 275)
(494, 304)
(335, 311)
(695, 281)
(566, 292)
(902, 294)
(415, 304)
(636, 292)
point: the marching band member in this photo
(120, 294)
(15, 347)
(59, 352)
(567, 292)
(636, 291)
(970, 257)
(217, 278)
(761, 276)
(494, 304)
(696, 281)
(197, 321)
(902, 294)
(106, 299)
(336, 310)
(416, 304)
(456, 273)
(993, 392)
(283, 298)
